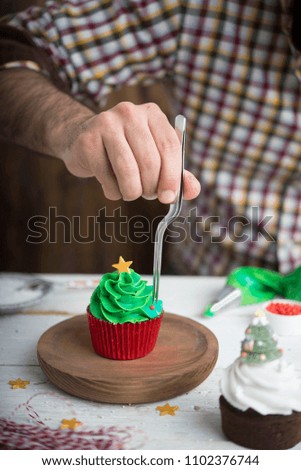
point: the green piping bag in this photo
(250, 285)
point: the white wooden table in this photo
(196, 424)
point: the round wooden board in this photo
(183, 357)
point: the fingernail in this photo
(167, 197)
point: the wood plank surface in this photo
(197, 423)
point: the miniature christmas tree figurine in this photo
(260, 343)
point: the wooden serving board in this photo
(184, 356)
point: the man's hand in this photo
(133, 151)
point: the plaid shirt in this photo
(233, 72)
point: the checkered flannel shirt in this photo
(234, 76)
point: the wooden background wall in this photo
(32, 183)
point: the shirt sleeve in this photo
(17, 49)
(96, 46)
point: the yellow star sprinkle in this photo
(70, 423)
(259, 313)
(167, 410)
(122, 266)
(19, 383)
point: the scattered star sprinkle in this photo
(167, 410)
(259, 313)
(70, 423)
(122, 266)
(19, 383)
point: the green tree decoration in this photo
(260, 343)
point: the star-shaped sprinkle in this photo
(167, 410)
(70, 423)
(19, 383)
(259, 313)
(122, 266)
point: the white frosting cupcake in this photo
(269, 388)
(260, 398)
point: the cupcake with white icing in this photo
(261, 393)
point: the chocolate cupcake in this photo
(261, 395)
(124, 321)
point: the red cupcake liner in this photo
(123, 341)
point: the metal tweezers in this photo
(174, 210)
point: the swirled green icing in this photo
(124, 297)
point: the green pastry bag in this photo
(251, 285)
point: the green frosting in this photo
(124, 298)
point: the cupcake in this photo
(124, 321)
(260, 394)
